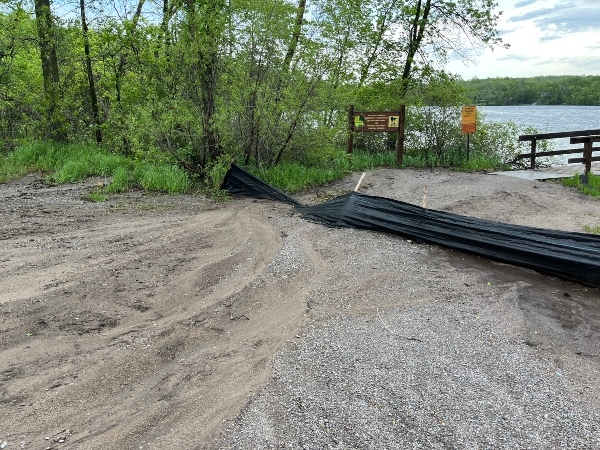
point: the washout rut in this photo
(154, 321)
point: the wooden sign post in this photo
(378, 122)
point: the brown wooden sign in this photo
(384, 121)
(376, 122)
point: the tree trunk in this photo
(90, 73)
(417, 30)
(47, 45)
(205, 24)
(168, 10)
(49, 61)
(295, 35)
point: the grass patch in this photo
(592, 230)
(294, 177)
(482, 163)
(591, 188)
(366, 161)
(68, 163)
(97, 196)
(162, 178)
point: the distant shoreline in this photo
(548, 90)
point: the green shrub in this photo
(214, 174)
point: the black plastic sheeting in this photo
(575, 256)
(239, 182)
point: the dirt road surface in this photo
(151, 321)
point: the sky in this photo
(546, 37)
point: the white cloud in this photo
(524, 3)
(546, 37)
(537, 13)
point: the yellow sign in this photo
(359, 121)
(469, 119)
(393, 121)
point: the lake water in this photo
(548, 119)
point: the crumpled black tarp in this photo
(239, 182)
(571, 255)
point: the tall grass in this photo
(162, 178)
(294, 177)
(68, 163)
(481, 163)
(72, 163)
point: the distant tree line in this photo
(547, 90)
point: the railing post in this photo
(401, 135)
(533, 148)
(587, 153)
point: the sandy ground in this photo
(164, 322)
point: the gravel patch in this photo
(455, 365)
(421, 377)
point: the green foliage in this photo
(162, 178)
(70, 163)
(367, 161)
(122, 181)
(591, 188)
(214, 175)
(214, 80)
(265, 82)
(433, 133)
(97, 196)
(499, 141)
(419, 161)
